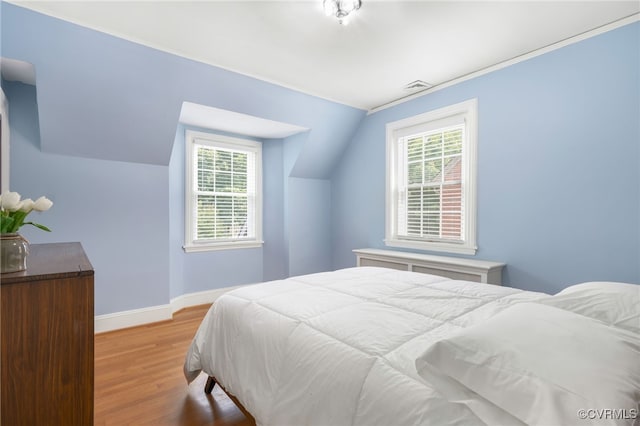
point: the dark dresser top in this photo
(52, 261)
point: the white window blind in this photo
(431, 202)
(431, 180)
(223, 192)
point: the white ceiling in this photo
(366, 64)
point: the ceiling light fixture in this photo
(341, 9)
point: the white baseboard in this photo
(135, 317)
(118, 320)
(199, 298)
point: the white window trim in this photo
(219, 141)
(470, 109)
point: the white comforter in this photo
(339, 348)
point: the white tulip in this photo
(11, 201)
(42, 204)
(27, 205)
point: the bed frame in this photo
(208, 388)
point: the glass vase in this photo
(13, 253)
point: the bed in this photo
(375, 346)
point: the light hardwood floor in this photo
(139, 380)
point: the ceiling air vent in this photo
(417, 85)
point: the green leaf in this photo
(6, 224)
(18, 220)
(37, 225)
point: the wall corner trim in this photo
(151, 314)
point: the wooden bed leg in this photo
(208, 387)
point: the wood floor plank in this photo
(139, 379)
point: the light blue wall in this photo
(276, 256)
(116, 209)
(310, 243)
(102, 141)
(307, 212)
(558, 166)
(296, 224)
(201, 271)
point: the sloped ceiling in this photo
(115, 98)
(103, 97)
(389, 43)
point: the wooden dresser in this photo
(47, 339)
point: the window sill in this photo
(439, 247)
(195, 248)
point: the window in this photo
(431, 180)
(223, 192)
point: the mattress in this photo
(340, 348)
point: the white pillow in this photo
(542, 365)
(616, 304)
